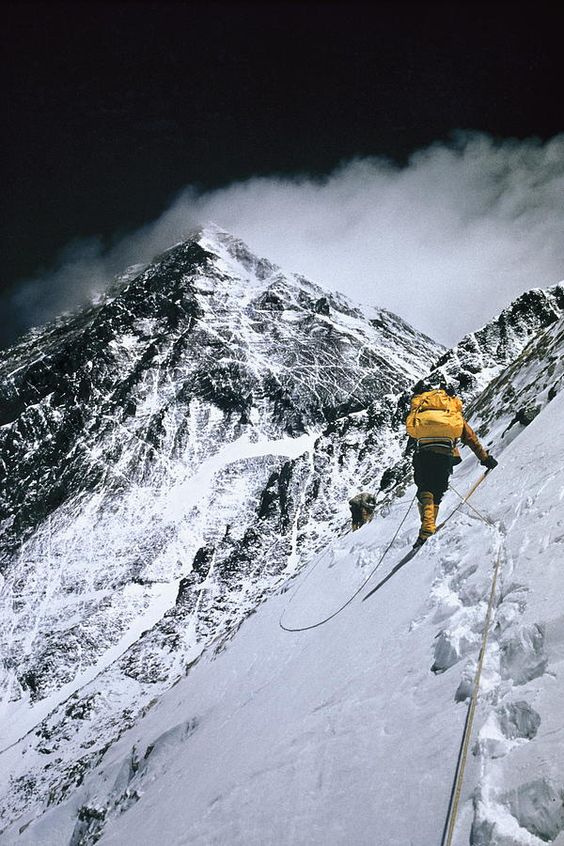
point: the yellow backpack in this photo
(435, 414)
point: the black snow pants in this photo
(431, 471)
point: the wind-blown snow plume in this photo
(445, 241)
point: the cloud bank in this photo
(445, 241)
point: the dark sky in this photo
(110, 109)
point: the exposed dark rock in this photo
(321, 306)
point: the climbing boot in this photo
(419, 540)
(427, 511)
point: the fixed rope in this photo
(456, 791)
(355, 594)
(475, 510)
(463, 499)
(365, 582)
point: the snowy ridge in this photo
(526, 386)
(481, 356)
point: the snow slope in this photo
(350, 732)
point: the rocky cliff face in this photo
(171, 455)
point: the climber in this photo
(435, 424)
(362, 509)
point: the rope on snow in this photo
(365, 582)
(355, 594)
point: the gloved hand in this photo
(490, 462)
